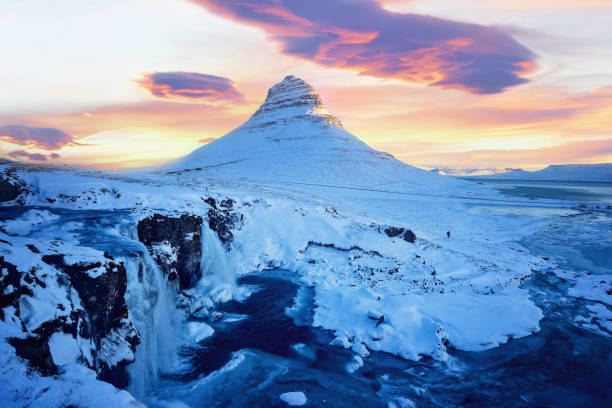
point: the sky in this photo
(467, 84)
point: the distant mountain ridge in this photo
(601, 172)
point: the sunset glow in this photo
(436, 83)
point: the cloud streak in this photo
(190, 87)
(364, 37)
(22, 154)
(582, 151)
(35, 137)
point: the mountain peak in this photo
(293, 137)
(292, 99)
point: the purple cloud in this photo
(190, 87)
(21, 154)
(362, 36)
(37, 137)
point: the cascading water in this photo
(163, 328)
(217, 275)
(152, 309)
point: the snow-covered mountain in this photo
(136, 280)
(292, 136)
(563, 172)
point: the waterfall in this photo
(217, 275)
(151, 307)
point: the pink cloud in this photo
(364, 37)
(37, 137)
(190, 87)
(22, 154)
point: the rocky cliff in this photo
(175, 243)
(90, 316)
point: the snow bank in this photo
(416, 324)
(382, 293)
(76, 385)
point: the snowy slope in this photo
(293, 137)
(566, 172)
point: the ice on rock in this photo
(35, 311)
(294, 398)
(342, 341)
(200, 308)
(64, 348)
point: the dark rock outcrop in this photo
(222, 218)
(8, 191)
(337, 248)
(409, 236)
(21, 284)
(35, 350)
(10, 277)
(176, 245)
(103, 296)
(100, 320)
(406, 234)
